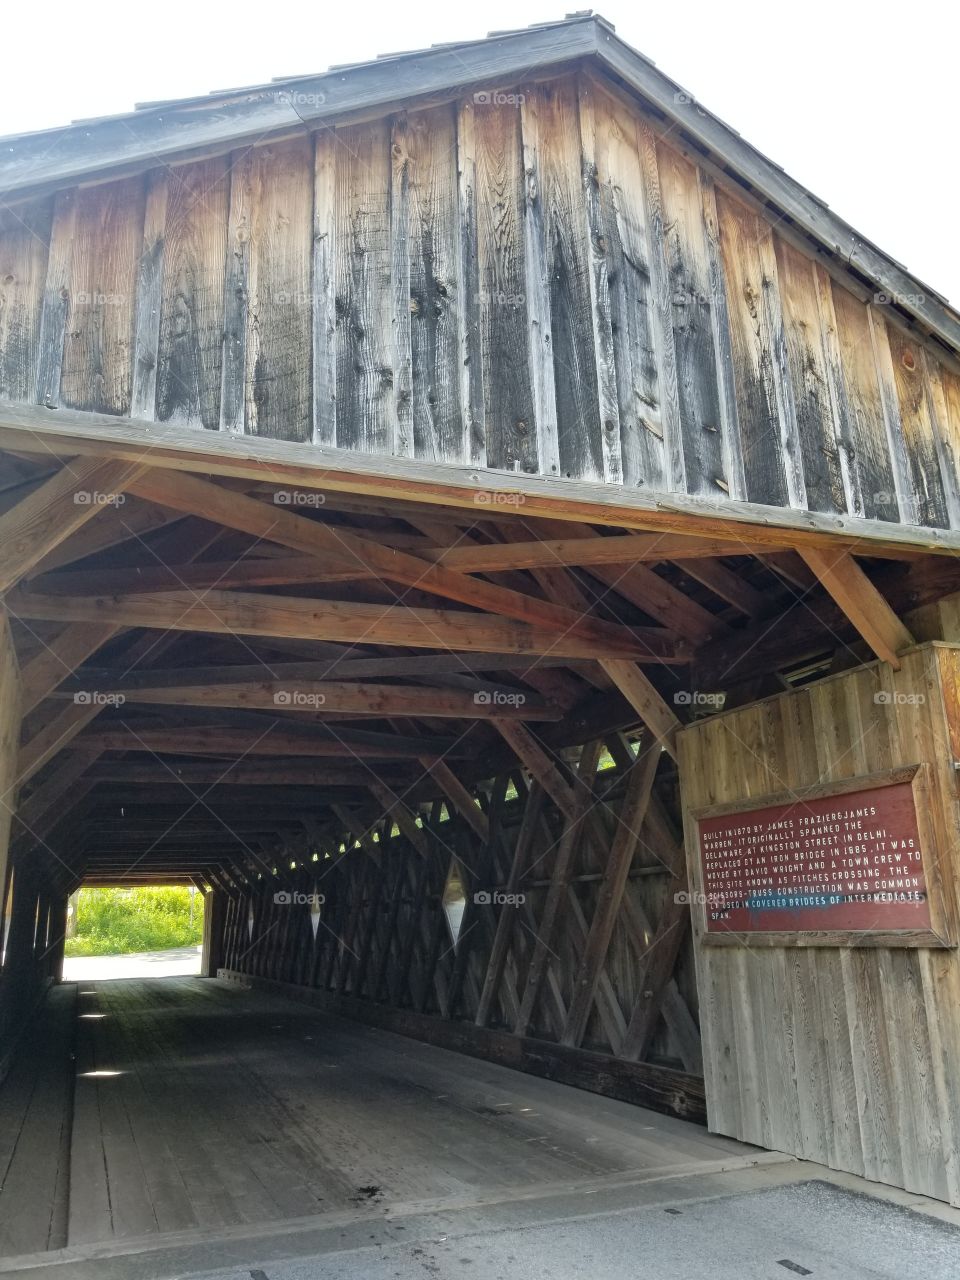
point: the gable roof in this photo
(111, 146)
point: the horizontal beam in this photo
(36, 429)
(324, 697)
(278, 524)
(340, 667)
(234, 743)
(285, 773)
(272, 571)
(238, 613)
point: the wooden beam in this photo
(279, 773)
(60, 657)
(230, 613)
(394, 807)
(36, 429)
(44, 519)
(610, 893)
(277, 524)
(646, 701)
(329, 697)
(726, 584)
(62, 789)
(111, 527)
(556, 897)
(532, 755)
(9, 738)
(458, 795)
(233, 743)
(264, 571)
(863, 604)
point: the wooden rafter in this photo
(187, 493)
(863, 604)
(659, 718)
(229, 613)
(51, 513)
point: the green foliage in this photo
(118, 921)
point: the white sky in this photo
(857, 100)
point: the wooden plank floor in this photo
(35, 1105)
(203, 1105)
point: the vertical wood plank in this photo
(599, 279)
(424, 151)
(24, 249)
(471, 347)
(552, 129)
(277, 381)
(191, 339)
(817, 428)
(869, 453)
(691, 301)
(98, 349)
(146, 338)
(770, 461)
(366, 390)
(324, 288)
(55, 307)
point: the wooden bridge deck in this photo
(200, 1106)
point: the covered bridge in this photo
(496, 533)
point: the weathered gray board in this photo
(844, 1054)
(546, 281)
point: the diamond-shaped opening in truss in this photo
(454, 901)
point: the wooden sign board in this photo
(842, 863)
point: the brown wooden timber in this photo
(325, 697)
(626, 836)
(35, 429)
(56, 509)
(861, 602)
(228, 613)
(200, 497)
(646, 701)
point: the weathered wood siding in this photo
(534, 281)
(847, 1056)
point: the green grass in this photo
(118, 921)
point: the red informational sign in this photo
(841, 862)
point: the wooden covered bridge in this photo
(495, 533)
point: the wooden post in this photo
(214, 920)
(9, 737)
(58, 937)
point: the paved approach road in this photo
(181, 962)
